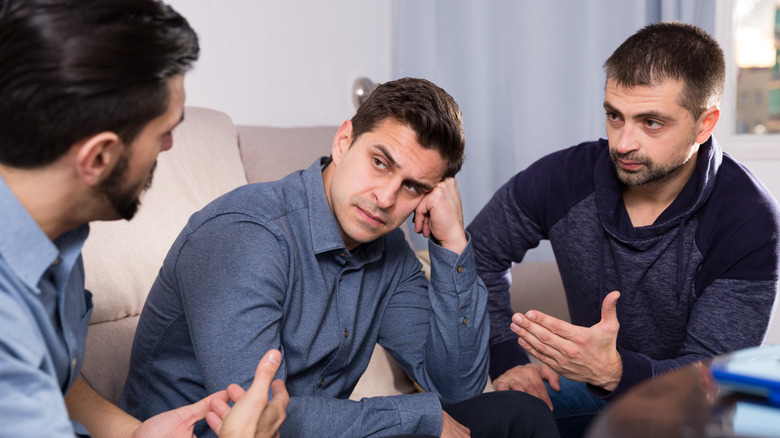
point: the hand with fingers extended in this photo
(529, 378)
(450, 428)
(440, 214)
(253, 415)
(582, 354)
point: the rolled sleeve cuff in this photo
(419, 413)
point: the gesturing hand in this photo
(529, 378)
(253, 415)
(582, 354)
(178, 423)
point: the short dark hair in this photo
(74, 68)
(423, 106)
(672, 50)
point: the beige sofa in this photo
(211, 156)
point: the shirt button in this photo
(460, 269)
(465, 321)
(342, 255)
(56, 262)
(341, 277)
(322, 383)
(73, 363)
(346, 333)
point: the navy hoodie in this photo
(700, 281)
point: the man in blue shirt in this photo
(315, 265)
(90, 91)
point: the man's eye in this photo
(652, 124)
(412, 187)
(378, 163)
(612, 117)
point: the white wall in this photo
(286, 63)
(293, 63)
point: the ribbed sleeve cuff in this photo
(505, 355)
(636, 368)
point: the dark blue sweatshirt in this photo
(700, 281)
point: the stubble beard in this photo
(649, 172)
(124, 201)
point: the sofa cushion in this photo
(270, 153)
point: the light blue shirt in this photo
(265, 267)
(44, 314)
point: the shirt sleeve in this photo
(438, 330)
(32, 404)
(247, 278)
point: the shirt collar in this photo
(325, 231)
(26, 248)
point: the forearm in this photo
(101, 417)
(459, 331)
(501, 235)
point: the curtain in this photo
(527, 75)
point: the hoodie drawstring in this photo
(680, 245)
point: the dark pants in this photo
(500, 414)
(505, 414)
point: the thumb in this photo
(609, 307)
(266, 370)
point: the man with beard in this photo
(90, 91)
(667, 247)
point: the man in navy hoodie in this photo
(667, 247)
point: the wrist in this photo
(612, 379)
(455, 244)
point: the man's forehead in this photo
(665, 94)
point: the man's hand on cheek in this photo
(440, 214)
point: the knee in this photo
(522, 406)
(520, 414)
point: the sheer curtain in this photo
(526, 74)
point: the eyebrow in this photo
(644, 115)
(425, 187)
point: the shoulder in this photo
(739, 225)
(738, 200)
(555, 183)
(20, 337)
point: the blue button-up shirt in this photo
(265, 266)
(44, 314)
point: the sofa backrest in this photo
(122, 258)
(270, 153)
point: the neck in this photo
(48, 196)
(646, 202)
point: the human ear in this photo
(342, 141)
(96, 156)
(706, 123)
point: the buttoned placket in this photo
(342, 258)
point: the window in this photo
(749, 33)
